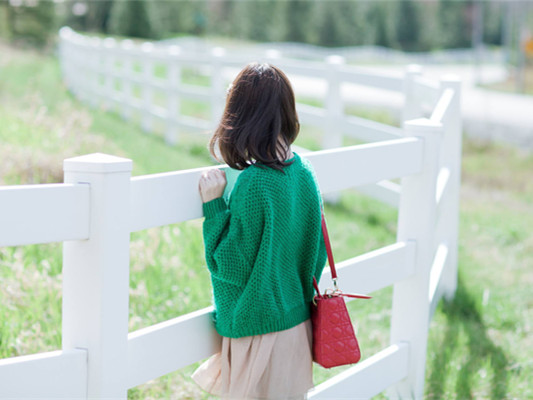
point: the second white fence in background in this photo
(148, 80)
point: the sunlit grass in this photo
(515, 84)
(480, 344)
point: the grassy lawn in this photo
(510, 85)
(480, 344)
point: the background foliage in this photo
(408, 25)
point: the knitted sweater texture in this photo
(263, 248)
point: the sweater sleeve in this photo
(232, 233)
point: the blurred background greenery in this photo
(480, 344)
(407, 25)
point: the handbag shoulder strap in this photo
(332, 264)
(328, 247)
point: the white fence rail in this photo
(146, 82)
(56, 374)
(99, 204)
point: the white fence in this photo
(101, 359)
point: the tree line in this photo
(406, 25)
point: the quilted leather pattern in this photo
(334, 341)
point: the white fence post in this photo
(416, 222)
(173, 104)
(332, 130)
(334, 105)
(94, 73)
(127, 72)
(147, 92)
(64, 45)
(411, 108)
(109, 65)
(217, 85)
(101, 68)
(96, 274)
(83, 71)
(451, 157)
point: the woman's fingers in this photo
(214, 174)
(212, 184)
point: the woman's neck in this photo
(285, 153)
(286, 156)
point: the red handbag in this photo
(334, 341)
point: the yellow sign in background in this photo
(528, 46)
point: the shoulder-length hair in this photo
(259, 121)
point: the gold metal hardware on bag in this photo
(330, 292)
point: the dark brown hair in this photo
(259, 119)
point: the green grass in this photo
(480, 344)
(510, 85)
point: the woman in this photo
(263, 246)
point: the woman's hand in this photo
(212, 184)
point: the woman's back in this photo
(263, 265)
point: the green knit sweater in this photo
(263, 248)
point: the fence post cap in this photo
(97, 162)
(96, 41)
(450, 78)
(273, 53)
(110, 42)
(218, 51)
(335, 59)
(422, 125)
(147, 47)
(65, 31)
(415, 69)
(174, 50)
(127, 44)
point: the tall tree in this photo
(380, 23)
(33, 23)
(90, 16)
(297, 14)
(132, 18)
(220, 16)
(339, 24)
(455, 24)
(328, 28)
(262, 22)
(493, 23)
(98, 13)
(408, 25)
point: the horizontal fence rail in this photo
(154, 197)
(383, 369)
(369, 131)
(374, 270)
(385, 191)
(443, 106)
(80, 75)
(53, 375)
(215, 65)
(62, 213)
(372, 79)
(437, 268)
(158, 349)
(368, 163)
(152, 351)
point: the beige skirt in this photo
(276, 365)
